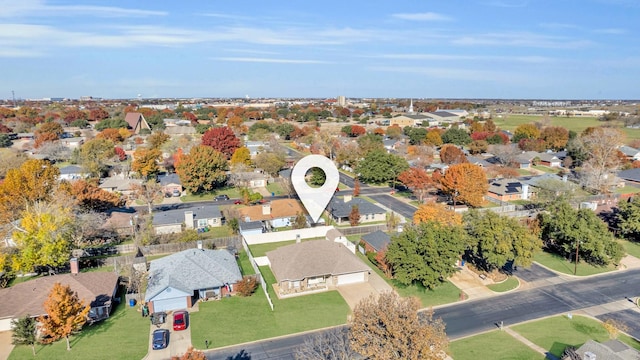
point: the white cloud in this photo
(428, 16)
(611, 31)
(37, 8)
(522, 39)
(270, 60)
(448, 57)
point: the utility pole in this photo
(575, 268)
(13, 95)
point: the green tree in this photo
(94, 155)
(496, 239)
(66, 314)
(5, 141)
(24, 332)
(389, 327)
(563, 229)
(299, 221)
(628, 218)
(370, 142)
(111, 124)
(380, 167)
(425, 253)
(44, 237)
(203, 169)
(456, 136)
(285, 130)
(417, 136)
(271, 162)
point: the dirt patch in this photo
(495, 275)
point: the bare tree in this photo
(148, 192)
(332, 344)
(601, 147)
(506, 154)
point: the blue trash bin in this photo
(132, 302)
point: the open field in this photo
(577, 124)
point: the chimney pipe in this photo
(75, 266)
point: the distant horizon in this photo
(476, 49)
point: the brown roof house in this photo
(314, 266)
(274, 214)
(136, 122)
(95, 288)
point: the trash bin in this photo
(132, 302)
(273, 194)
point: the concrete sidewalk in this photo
(531, 345)
(471, 284)
(5, 345)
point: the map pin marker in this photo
(315, 200)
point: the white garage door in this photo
(350, 278)
(5, 324)
(170, 304)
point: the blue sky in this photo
(551, 49)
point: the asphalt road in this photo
(533, 273)
(398, 206)
(471, 317)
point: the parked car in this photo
(180, 320)
(237, 202)
(176, 192)
(160, 339)
(222, 197)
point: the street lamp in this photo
(575, 268)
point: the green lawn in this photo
(632, 248)
(627, 190)
(558, 263)
(125, 335)
(545, 169)
(245, 265)
(556, 333)
(217, 232)
(275, 188)
(496, 345)
(509, 284)
(20, 279)
(238, 319)
(232, 192)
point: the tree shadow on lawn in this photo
(557, 349)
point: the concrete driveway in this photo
(5, 345)
(353, 293)
(179, 341)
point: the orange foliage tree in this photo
(111, 134)
(145, 161)
(66, 314)
(191, 354)
(89, 196)
(466, 183)
(451, 154)
(417, 180)
(437, 212)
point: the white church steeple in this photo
(411, 107)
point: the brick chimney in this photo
(75, 266)
(188, 219)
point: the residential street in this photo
(603, 295)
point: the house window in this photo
(214, 220)
(202, 223)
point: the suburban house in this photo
(256, 147)
(631, 175)
(524, 160)
(251, 227)
(176, 220)
(609, 350)
(180, 130)
(170, 182)
(508, 189)
(274, 214)
(179, 280)
(631, 153)
(250, 179)
(136, 122)
(550, 160)
(72, 142)
(475, 160)
(97, 289)
(72, 172)
(120, 184)
(375, 241)
(340, 210)
(335, 235)
(316, 265)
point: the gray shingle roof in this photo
(191, 270)
(339, 208)
(71, 169)
(313, 258)
(169, 179)
(631, 174)
(176, 216)
(610, 350)
(377, 239)
(505, 187)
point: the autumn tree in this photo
(494, 240)
(348, 154)
(49, 131)
(628, 218)
(44, 237)
(90, 197)
(525, 131)
(299, 221)
(555, 137)
(417, 180)
(247, 286)
(436, 212)
(354, 216)
(331, 344)
(466, 183)
(33, 181)
(98, 114)
(111, 134)
(203, 169)
(600, 145)
(145, 161)
(221, 139)
(23, 332)
(425, 253)
(386, 326)
(66, 314)
(369, 143)
(478, 146)
(157, 139)
(356, 187)
(394, 132)
(148, 192)
(451, 154)
(120, 153)
(242, 155)
(433, 138)
(191, 354)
